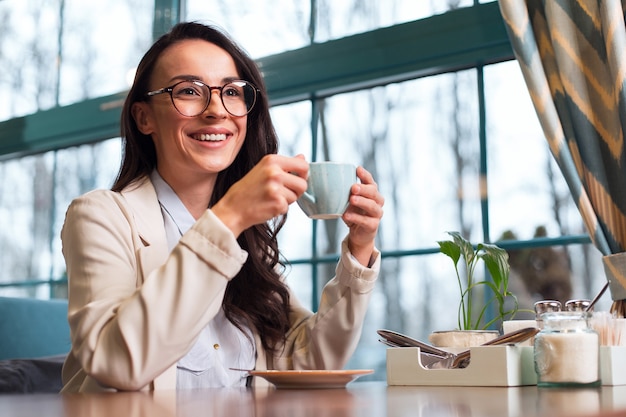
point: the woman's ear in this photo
(143, 117)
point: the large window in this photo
(60, 52)
(437, 110)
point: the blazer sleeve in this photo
(328, 338)
(134, 309)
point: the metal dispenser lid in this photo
(546, 306)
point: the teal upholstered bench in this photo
(34, 341)
(31, 328)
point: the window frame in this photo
(459, 39)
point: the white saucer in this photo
(312, 378)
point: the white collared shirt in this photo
(220, 345)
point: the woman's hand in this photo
(363, 216)
(263, 193)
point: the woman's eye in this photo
(188, 92)
(231, 92)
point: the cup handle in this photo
(309, 198)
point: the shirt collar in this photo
(171, 204)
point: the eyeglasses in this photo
(192, 97)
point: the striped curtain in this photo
(572, 54)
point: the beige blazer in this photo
(135, 309)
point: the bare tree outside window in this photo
(50, 55)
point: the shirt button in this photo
(216, 346)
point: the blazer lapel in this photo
(152, 251)
(144, 205)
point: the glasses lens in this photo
(190, 97)
(238, 97)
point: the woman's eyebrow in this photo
(185, 77)
(190, 77)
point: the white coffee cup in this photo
(328, 189)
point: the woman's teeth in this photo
(210, 138)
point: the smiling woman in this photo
(180, 259)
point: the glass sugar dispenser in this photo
(567, 351)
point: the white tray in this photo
(490, 366)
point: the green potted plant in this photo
(494, 292)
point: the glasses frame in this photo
(170, 90)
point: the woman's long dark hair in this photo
(257, 296)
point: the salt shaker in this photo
(567, 351)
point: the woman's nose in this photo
(215, 107)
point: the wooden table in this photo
(366, 399)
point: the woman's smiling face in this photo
(191, 147)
